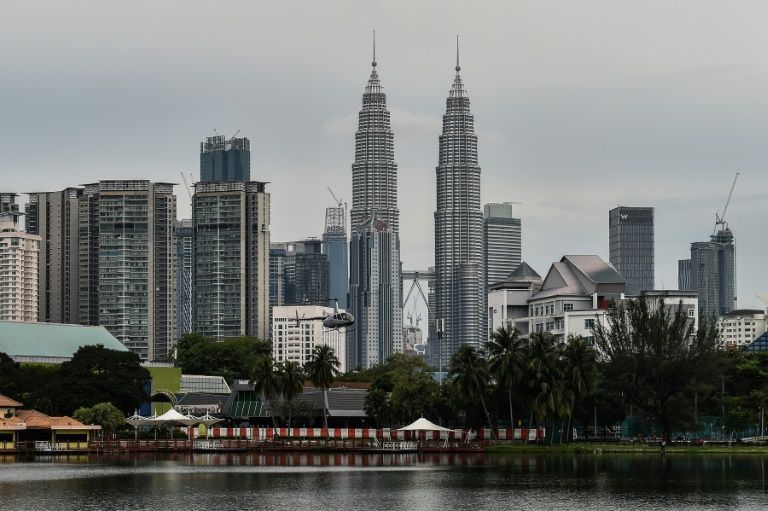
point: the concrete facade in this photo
(19, 253)
(294, 341)
(739, 327)
(713, 273)
(55, 217)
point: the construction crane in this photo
(187, 186)
(338, 201)
(720, 220)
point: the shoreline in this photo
(584, 448)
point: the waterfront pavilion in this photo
(44, 433)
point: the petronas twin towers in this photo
(375, 292)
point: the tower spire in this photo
(374, 49)
(458, 67)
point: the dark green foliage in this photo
(322, 369)
(654, 358)
(231, 358)
(94, 375)
(105, 415)
(98, 375)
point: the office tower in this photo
(459, 287)
(501, 241)
(18, 270)
(54, 216)
(713, 273)
(306, 273)
(335, 246)
(223, 159)
(127, 244)
(184, 276)
(631, 250)
(294, 341)
(684, 275)
(8, 203)
(375, 293)
(230, 254)
(374, 280)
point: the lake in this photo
(407, 482)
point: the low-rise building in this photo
(739, 327)
(51, 343)
(508, 299)
(293, 340)
(574, 296)
(688, 300)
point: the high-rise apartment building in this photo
(713, 273)
(374, 280)
(631, 246)
(54, 216)
(127, 272)
(502, 244)
(184, 276)
(684, 275)
(460, 295)
(223, 159)
(18, 270)
(8, 203)
(336, 247)
(230, 280)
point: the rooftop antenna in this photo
(373, 63)
(458, 67)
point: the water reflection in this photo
(375, 482)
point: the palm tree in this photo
(266, 382)
(322, 368)
(580, 362)
(551, 396)
(507, 361)
(291, 377)
(469, 370)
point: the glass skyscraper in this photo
(223, 159)
(713, 273)
(631, 246)
(502, 245)
(184, 276)
(336, 247)
(374, 280)
(460, 295)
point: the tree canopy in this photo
(231, 358)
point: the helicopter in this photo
(335, 321)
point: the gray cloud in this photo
(579, 106)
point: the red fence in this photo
(371, 434)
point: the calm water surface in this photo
(384, 482)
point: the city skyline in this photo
(532, 109)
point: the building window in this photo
(691, 313)
(589, 324)
(567, 306)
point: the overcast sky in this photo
(579, 107)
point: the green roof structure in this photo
(51, 342)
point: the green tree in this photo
(653, 355)
(105, 415)
(98, 375)
(580, 361)
(507, 362)
(291, 379)
(377, 406)
(232, 358)
(322, 368)
(469, 371)
(266, 382)
(9, 375)
(552, 397)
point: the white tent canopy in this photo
(423, 425)
(172, 416)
